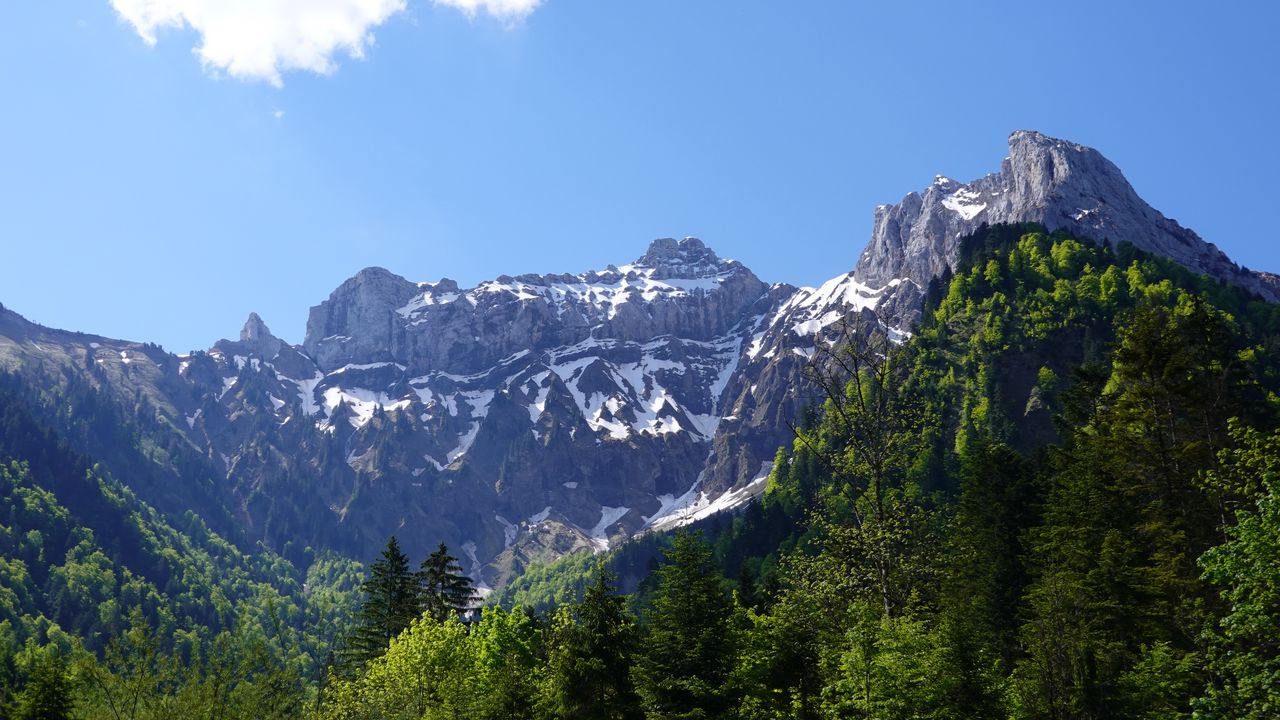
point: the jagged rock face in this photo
(1057, 183)
(257, 335)
(534, 414)
(678, 354)
(677, 288)
(771, 386)
(357, 319)
(589, 402)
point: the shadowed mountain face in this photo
(532, 415)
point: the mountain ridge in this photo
(1057, 183)
(534, 414)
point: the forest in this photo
(1059, 498)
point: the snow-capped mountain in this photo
(1053, 182)
(532, 415)
(587, 402)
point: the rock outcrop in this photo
(534, 414)
(1054, 182)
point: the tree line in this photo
(1059, 499)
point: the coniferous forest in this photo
(1058, 498)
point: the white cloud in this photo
(261, 39)
(278, 114)
(501, 9)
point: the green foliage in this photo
(445, 590)
(1243, 654)
(690, 647)
(545, 586)
(48, 693)
(441, 670)
(889, 667)
(590, 649)
(423, 674)
(232, 675)
(391, 603)
(504, 682)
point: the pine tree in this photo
(47, 695)
(1118, 598)
(445, 591)
(590, 657)
(690, 650)
(390, 605)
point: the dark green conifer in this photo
(445, 591)
(590, 657)
(48, 694)
(684, 668)
(390, 605)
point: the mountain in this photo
(1055, 183)
(533, 415)
(1058, 184)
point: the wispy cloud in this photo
(501, 9)
(262, 39)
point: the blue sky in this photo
(150, 192)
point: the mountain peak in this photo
(685, 258)
(1057, 183)
(257, 336)
(255, 330)
(1034, 138)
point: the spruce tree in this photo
(445, 591)
(590, 657)
(690, 650)
(48, 694)
(390, 605)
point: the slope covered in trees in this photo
(99, 584)
(1057, 499)
(1051, 502)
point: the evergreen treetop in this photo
(445, 591)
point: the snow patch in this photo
(227, 384)
(365, 366)
(363, 403)
(608, 517)
(465, 442)
(509, 531)
(690, 509)
(307, 392)
(965, 203)
(469, 549)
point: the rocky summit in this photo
(1056, 183)
(531, 415)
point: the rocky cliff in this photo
(535, 414)
(1056, 183)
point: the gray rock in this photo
(1057, 183)
(257, 336)
(358, 319)
(533, 414)
(679, 288)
